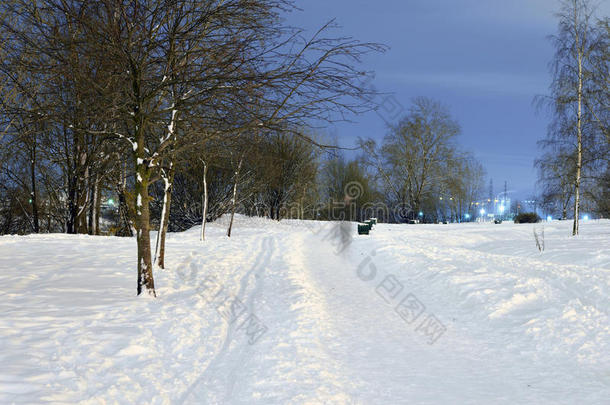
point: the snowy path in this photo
(277, 315)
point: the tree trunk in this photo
(91, 213)
(71, 222)
(93, 222)
(124, 225)
(98, 209)
(168, 180)
(83, 204)
(8, 223)
(234, 199)
(205, 200)
(233, 202)
(564, 207)
(33, 198)
(145, 268)
(78, 191)
(82, 196)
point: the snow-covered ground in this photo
(294, 313)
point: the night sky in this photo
(485, 60)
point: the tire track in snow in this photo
(319, 319)
(268, 248)
(212, 369)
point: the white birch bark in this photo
(205, 199)
(234, 199)
(579, 56)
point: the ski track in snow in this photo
(213, 377)
(521, 326)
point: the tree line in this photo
(119, 92)
(122, 117)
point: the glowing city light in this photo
(482, 211)
(467, 216)
(586, 217)
(549, 218)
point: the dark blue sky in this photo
(484, 59)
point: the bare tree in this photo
(576, 77)
(417, 147)
(151, 77)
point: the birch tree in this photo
(574, 79)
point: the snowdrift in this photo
(304, 312)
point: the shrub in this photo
(527, 218)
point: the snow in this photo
(295, 312)
(170, 126)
